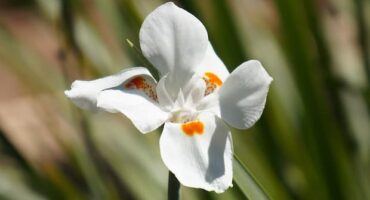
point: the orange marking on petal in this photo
(212, 82)
(193, 127)
(138, 83)
(213, 78)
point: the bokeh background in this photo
(312, 142)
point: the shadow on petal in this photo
(216, 162)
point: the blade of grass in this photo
(133, 156)
(141, 57)
(363, 40)
(39, 183)
(326, 67)
(333, 90)
(363, 35)
(247, 183)
(84, 156)
(321, 131)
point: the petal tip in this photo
(170, 4)
(71, 94)
(270, 79)
(257, 63)
(67, 93)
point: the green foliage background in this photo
(312, 142)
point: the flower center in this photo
(183, 115)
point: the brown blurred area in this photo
(24, 108)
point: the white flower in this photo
(193, 98)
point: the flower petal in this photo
(243, 95)
(199, 153)
(164, 99)
(194, 90)
(175, 42)
(212, 63)
(210, 103)
(84, 93)
(144, 113)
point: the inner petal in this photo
(183, 115)
(185, 108)
(147, 86)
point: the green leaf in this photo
(247, 182)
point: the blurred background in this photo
(312, 142)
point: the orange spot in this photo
(138, 83)
(213, 78)
(193, 127)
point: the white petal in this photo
(164, 99)
(243, 95)
(189, 95)
(180, 101)
(194, 90)
(144, 113)
(175, 42)
(84, 93)
(212, 63)
(210, 103)
(201, 160)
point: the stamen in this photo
(139, 83)
(193, 127)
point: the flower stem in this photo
(173, 187)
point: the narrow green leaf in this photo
(247, 182)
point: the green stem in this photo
(144, 61)
(173, 187)
(362, 34)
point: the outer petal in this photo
(85, 93)
(212, 63)
(243, 95)
(144, 113)
(175, 42)
(202, 160)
